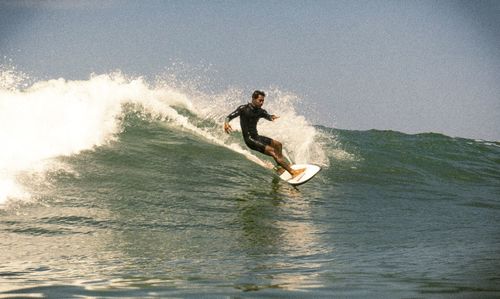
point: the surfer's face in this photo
(258, 102)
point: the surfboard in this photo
(309, 173)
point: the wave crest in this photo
(59, 117)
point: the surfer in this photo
(249, 116)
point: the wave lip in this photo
(60, 118)
(56, 118)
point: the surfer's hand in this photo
(227, 128)
(273, 117)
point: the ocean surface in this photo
(116, 187)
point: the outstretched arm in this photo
(269, 116)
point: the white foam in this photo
(299, 136)
(57, 118)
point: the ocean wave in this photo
(56, 118)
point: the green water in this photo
(161, 212)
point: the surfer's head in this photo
(258, 98)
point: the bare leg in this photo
(275, 150)
(278, 147)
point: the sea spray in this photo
(158, 209)
(299, 136)
(59, 117)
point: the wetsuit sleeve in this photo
(266, 115)
(234, 114)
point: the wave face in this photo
(139, 181)
(57, 118)
(428, 161)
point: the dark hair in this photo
(258, 93)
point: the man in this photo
(249, 116)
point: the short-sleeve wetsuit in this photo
(249, 116)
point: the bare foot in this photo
(280, 170)
(297, 172)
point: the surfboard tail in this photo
(310, 171)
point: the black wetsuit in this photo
(249, 116)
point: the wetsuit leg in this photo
(258, 143)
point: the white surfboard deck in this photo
(309, 173)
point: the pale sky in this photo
(410, 66)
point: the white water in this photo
(57, 118)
